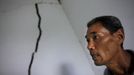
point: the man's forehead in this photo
(97, 29)
(93, 29)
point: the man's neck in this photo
(120, 63)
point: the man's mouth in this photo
(94, 56)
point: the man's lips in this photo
(94, 56)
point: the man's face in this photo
(101, 44)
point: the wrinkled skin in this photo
(103, 46)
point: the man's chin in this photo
(98, 63)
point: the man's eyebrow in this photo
(92, 33)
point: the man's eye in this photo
(95, 37)
(87, 40)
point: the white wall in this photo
(58, 47)
(79, 12)
(18, 35)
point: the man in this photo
(105, 36)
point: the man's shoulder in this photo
(107, 72)
(130, 51)
(131, 69)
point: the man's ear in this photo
(119, 35)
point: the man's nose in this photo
(91, 46)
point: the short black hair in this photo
(111, 23)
